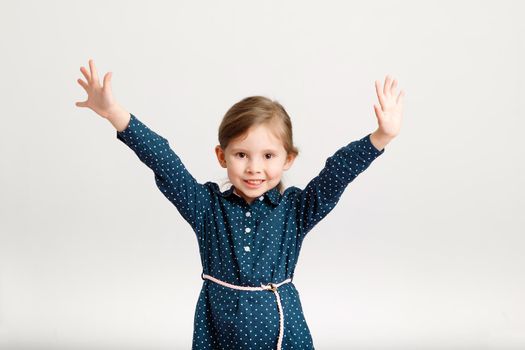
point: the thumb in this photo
(379, 113)
(107, 81)
(81, 104)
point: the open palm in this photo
(100, 98)
(390, 111)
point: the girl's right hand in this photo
(100, 99)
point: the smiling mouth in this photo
(252, 182)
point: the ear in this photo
(220, 156)
(289, 161)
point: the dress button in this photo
(247, 229)
(247, 248)
(248, 213)
(261, 198)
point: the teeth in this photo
(254, 182)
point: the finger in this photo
(380, 95)
(386, 88)
(94, 73)
(107, 81)
(379, 112)
(86, 75)
(83, 84)
(393, 87)
(81, 104)
(400, 98)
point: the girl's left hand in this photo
(390, 111)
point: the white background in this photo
(425, 249)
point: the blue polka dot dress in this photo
(248, 244)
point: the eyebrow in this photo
(244, 150)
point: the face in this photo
(257, 155)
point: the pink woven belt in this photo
(270, 286)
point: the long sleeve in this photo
(171, 176)
(322, 193)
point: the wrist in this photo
(118, 117)
(380, 140)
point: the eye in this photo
(269, 154)
(239, 153)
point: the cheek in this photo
(275, 171)
(234, 168)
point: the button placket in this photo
(247, 227)
(247, 230)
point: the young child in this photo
(250, 235)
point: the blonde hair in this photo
(254, 111)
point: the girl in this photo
(250, 235)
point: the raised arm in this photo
(322, 193)
(189, 197)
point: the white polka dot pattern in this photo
(248, 244)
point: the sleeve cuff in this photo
(370, 146)
(130, 129)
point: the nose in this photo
(254, 166)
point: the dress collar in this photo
(273, 195)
